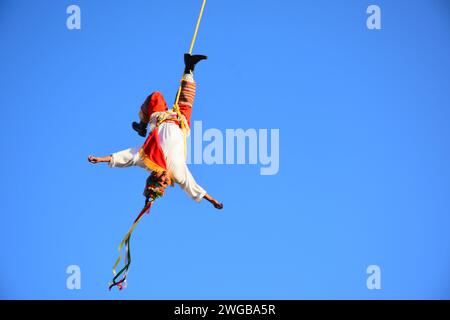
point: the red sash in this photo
(152, 153)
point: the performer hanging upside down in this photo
(164, 151)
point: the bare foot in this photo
(93, 159)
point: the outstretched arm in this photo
(214, 202)
(93, 159)
(184, 178)
(126, 158)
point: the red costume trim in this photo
(152, 153)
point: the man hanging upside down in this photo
(164, 151)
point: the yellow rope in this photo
(196, 27)
(194, 37)
(175, 107)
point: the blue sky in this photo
(364, 149)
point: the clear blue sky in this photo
(364, 149)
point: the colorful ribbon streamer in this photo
(126, 241)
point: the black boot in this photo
(140, 128)
(191, 60)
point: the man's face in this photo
(163, 179)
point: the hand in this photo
(93, 159)
(214, 202)
(217, 205)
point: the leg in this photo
(154, 103)
(187, 96)
(187, 93)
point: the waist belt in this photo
(172, 120)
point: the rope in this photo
(196, 27)
(194, 37)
